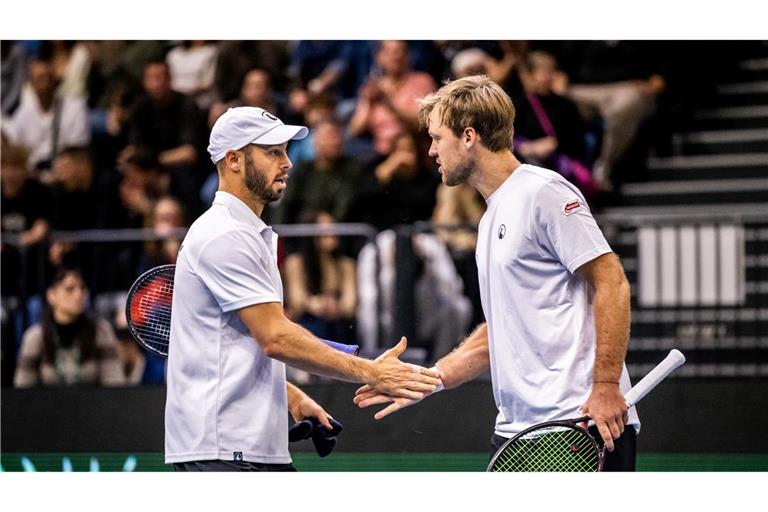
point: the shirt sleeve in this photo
(565, 226)
(235, 268)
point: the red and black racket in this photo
(566, 446)
(148, 311)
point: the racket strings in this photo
(150, 310)
(565, 449)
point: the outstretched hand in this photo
(366, 396)
(397, 379)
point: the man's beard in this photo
(257, 184)
(459, 175)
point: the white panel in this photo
(731, 265)
(668, 249)
(688, 267)
(708, 256)
(647, 267)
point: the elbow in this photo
(275, 346)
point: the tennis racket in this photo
(564, 445)
(148, 311)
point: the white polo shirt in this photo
(226, 399)
(536, 232)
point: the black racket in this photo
(148, 311)
(564, 445)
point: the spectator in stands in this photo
(461, 206)
(236, 58)
(549, 131)
(387, 104)
(255, 92)
(618, 80)
(45, 122)
(193, 66)
(319, 108)
(396, 188)
(71, 64)
(170, 124)
(25, 213)
(166, 215)
(77, 202)
(68, 347)
(321, 285)
(326, 183)
(13, 57)
(138, 365)
(144, 181)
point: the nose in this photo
(433, 150)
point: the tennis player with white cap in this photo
(228, 399)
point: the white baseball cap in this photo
(240, 126)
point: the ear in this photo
(232, 160)
(469, 137)
(49, 296)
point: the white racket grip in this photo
(674, 359)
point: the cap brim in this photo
(282, 134)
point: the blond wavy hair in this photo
(477, 102)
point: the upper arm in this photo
(565, 226)
(605, 270)
(235, 267)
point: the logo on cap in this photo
(269, 116)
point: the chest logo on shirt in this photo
(502, 231)
(571, 207)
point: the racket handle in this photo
(674, 359)
(341, 347)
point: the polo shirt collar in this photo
(240, 210)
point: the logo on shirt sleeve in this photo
(571, 207)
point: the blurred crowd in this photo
(113, 135)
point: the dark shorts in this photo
(230, 465)
(622, 458)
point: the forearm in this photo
(299, 348)
(358, 123)
(295, 396)
(467, 361)
(612, 320)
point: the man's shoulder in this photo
(217, 226)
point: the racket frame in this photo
(140, 281)
(571, 423)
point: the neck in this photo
(62, 318)
(492, 170)
(46, 101)
(242, 194)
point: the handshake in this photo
(389, 380)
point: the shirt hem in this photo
(228, 456)
(250, 301)
(593, 253)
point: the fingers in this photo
(397, 349)
(429, 373)
(323, 418)
(407, 393)
(605, 433)
(387, 411)
(363, 389)
(365, 396)
(376, 400)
